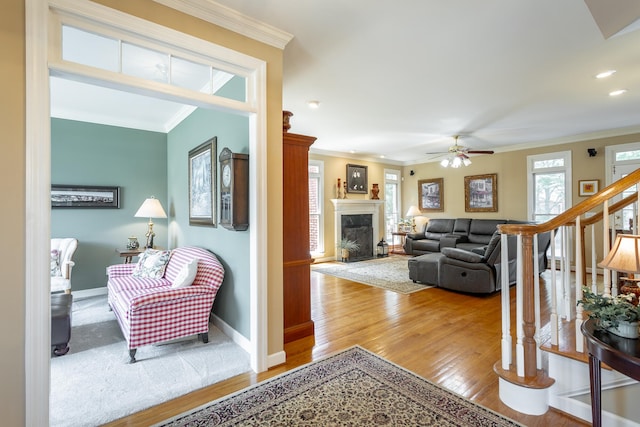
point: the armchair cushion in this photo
(55, 263)
(152, 264)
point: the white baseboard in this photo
(87, 293)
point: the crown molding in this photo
(232, 20)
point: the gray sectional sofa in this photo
(462, 233)
(465, 257)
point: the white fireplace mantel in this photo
(357, 207)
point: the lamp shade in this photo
(624, 255)
(151, 208)
(414, 211)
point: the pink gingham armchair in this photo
(151, 310)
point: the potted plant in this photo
(347, 246)
(613, 314)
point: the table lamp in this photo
(625, 256)
(151, 208)
(412, 213)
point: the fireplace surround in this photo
(359, 220)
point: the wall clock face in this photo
(226, 175)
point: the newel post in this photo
(528, 309)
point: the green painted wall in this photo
(92, 154)
(231, 247)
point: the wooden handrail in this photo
(612, 209)
(579, 209)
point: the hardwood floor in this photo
(449, 338)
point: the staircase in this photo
(543, 360)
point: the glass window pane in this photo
(190, 75)
(550, 163)
(145, 63)
(314, 169)
(390, 177)
(549, 199)
(86, 48)
(221, 80)
(628, 155)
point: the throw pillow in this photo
(186, 275)
(55, 263)
(152, 264)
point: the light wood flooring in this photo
(449, 338)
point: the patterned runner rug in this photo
(352, 388)
(391, 273)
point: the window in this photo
(621, 160)
(316, 228)
(391, 201)
(549, 185)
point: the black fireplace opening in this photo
(359, 228)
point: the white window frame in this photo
(566, 155)
(320, 177)
(610, 158)
(398, 201)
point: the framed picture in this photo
(202, 184)
(357, 179)
(85, 196)
(588, 187)
(431, 195)
(481, 193)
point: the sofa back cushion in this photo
(461, 226)
(481, 230)
(438, 227)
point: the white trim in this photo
(610, 158)
(38, 177)
(38, 183)
(230, 19)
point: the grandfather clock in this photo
(296, 254)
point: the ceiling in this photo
(399, 78)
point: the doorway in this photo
(39, 17)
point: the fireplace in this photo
(359, 228)
(358, 220)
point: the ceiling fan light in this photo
(444, 163)
(457, 162)
(466, 161)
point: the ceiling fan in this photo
(457, 155)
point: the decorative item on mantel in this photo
(374, 192)
(286, 115)
(339, 190)
(344, 195)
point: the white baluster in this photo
(566, 274)
(579, 283)
(553, 319)
(594, 266)
(519, 311)
(507, 356)
(536, 297)
(605, 243)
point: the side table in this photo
(402, 235)
(128, 254)
(621, 354)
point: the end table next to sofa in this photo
(394, 247)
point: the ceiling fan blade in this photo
(480, 151)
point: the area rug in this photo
(352, 388)
(93, 383)
(391, 273)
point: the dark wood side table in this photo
(128, 254)
(621, 354)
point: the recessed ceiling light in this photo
(382, 156)
(352, 151)
(313, 104)
(605, 74)
(617, 92)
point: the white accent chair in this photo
(62, 251)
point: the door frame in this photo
(38, 184)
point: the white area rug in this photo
(93, 383)
(391, 273)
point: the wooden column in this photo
(295, 246)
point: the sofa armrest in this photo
(415, 236)
(451, 240)
(119, 270)
(149, 297)
(65, 268)
(462, 255)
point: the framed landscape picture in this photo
(481, 193)
(430, 195)
(84, 196)
(202, 184)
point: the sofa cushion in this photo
(186, 275)
(461, 226)
(438, 227)
(492, 252)
(481, 230)
(152, 264)
(462, 255)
